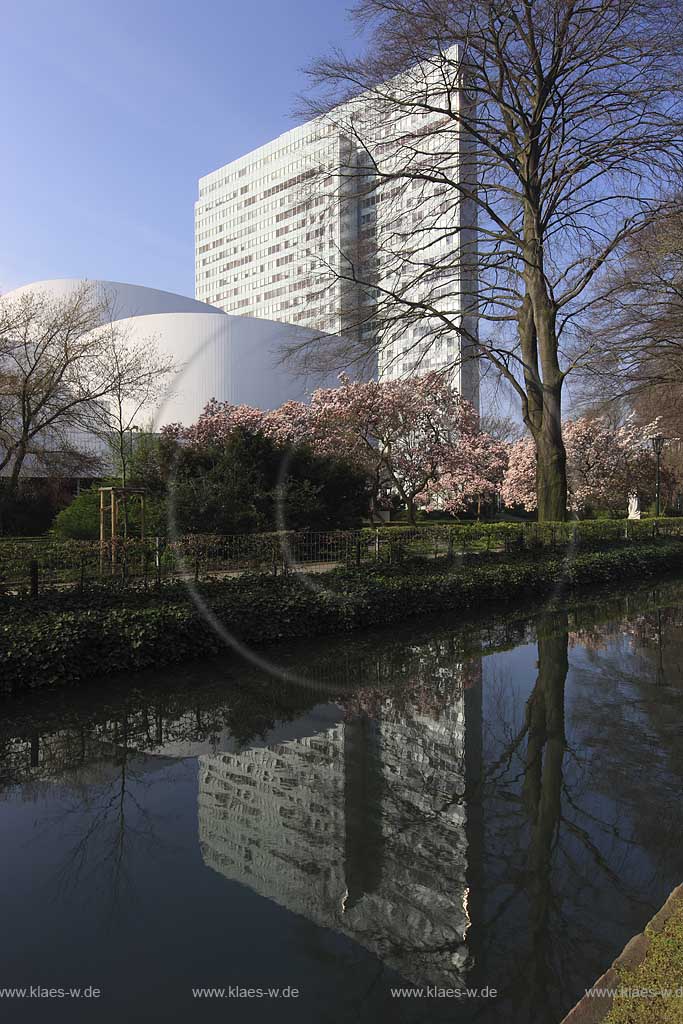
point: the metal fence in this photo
(37, 563)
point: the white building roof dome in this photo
(126, 299)
(236, 359)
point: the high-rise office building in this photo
(300, 229)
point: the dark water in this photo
(495, 803)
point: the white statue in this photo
(633, 506)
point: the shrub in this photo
(81, 519)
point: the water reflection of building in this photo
(360, 827)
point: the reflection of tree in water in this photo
(427, 692)
(583, 859)
(522, 801)
(99, 763)
(636, 710)
(143, 721)
(542, 790)
(100, 817)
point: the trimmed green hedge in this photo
(41, 646)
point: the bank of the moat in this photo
(65, 637)
(643, 985)
(493, 805)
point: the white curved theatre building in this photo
(232, 358)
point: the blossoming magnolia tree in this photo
(605, 464)
(289, 424)
(417, 437)
(482, 461)
(216, 423)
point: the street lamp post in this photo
(658, 446)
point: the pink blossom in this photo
(218, 420)
(604, 464)
(415, 438)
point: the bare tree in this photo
(641, 319)
(65, 367)
(46, 363)
(519, 145)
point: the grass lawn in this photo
(661, 970)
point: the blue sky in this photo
(111, 112)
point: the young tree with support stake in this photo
(139, 376)
(551, 127)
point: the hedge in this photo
(202, 555)
(45, 646)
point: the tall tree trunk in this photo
(537, 321)
(551, 462)
(543, 417)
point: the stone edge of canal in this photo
(592, 1009)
